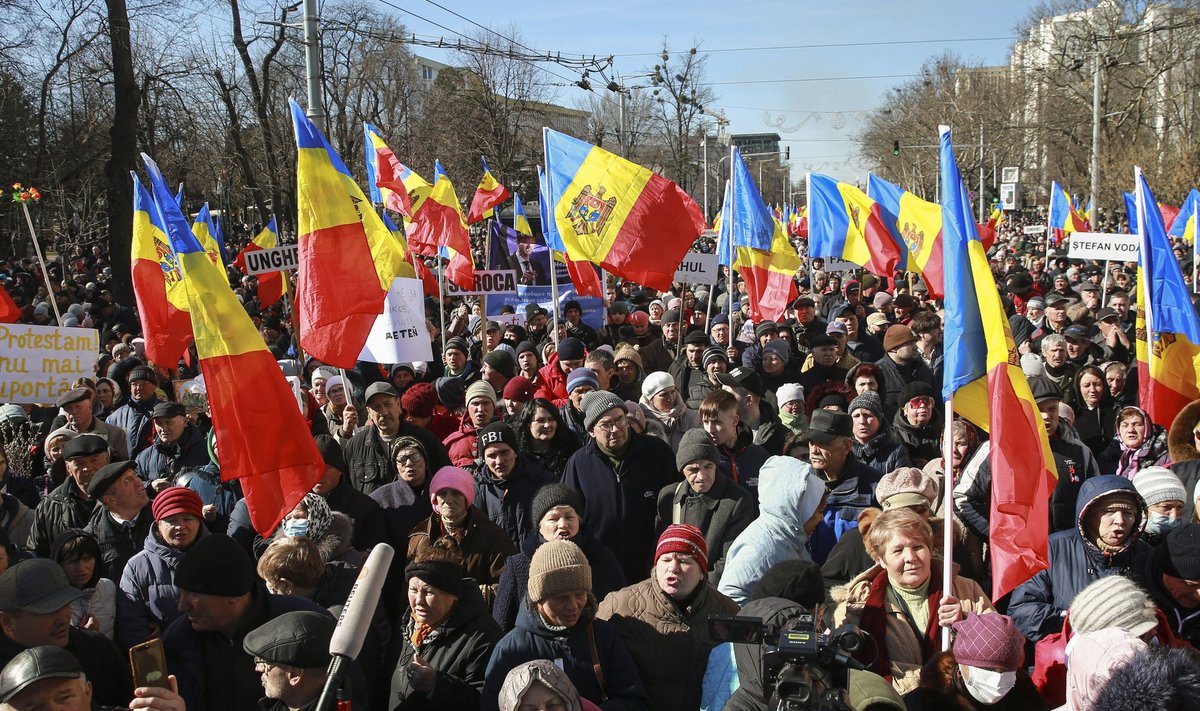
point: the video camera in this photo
(801, 668)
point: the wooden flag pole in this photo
(442, 299)
(42, 263)
(948, 511)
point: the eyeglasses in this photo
(924, 402)
(408, 458)
(613, 425)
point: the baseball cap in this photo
(742, 377)
(37, 586)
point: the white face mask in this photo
(1162, 524)
(987, 686)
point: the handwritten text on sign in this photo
(1099, 245)
(399, 334)
(697, 268)
(39, 363)
(276, 259)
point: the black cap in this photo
(296, 639)
(85, 445)
(1106, 313)
(1075, 332)
(379, 388)
(36, 664)
(107, 476)
(696, 338)
(743, 377)
(168, 409)
(802, 302)
(828, 425)
(1182, 549)
(497, 433)
(817, 340)
(73, 395)
(1043, 389)
(571, 304)
(37, 586)
(915, 389)
(331, 452)
(1055, 297)
(216, 565)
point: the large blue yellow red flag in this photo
(206, 234)
(624, 217)
(348, 259)
(439, 223)
(983, 376)
(1063, 218)
(583, 274)
(416, 266)
(915, 226)
(262, 440)
(520, 221)
(488, 195)
(158, 284)
(844, 222)
(1188, 220)
(1168, 331)
(392, 183)
(762, 253)
(270, 284)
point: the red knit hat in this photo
(682, 538)
(518, 388)
(989, 641)
(177, 500)
(419, 399)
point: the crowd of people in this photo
(571, 505)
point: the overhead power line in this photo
(830, 45)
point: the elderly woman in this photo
(1139, 443)
(899, 601)
(664, 619)
(661, 401)
(539, 685)
(864, 377)
(445, 643)
(558, 510)
(559, 622)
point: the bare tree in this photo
(678, 100)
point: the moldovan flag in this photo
(262, 439)
(414, 265)
(392, 183)
(348, 259)
(158, 283)
(270, 284)
(762, 253)
(489, 194)
(1063, 218)
(206, 234)
(9, 311)
(987, 230)
(843, 222)
(583, 274)
(520, 221)
(916, 227)
(439, 223)
(609, 211)
(1168, 331)
(984, 377)
(1188, 220)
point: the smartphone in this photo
(149, 663)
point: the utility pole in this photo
(312, 64)
(1096, 80)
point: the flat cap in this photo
(296, 639)
(85, 445)
(107, 476)
(168, 409)
(73, 395)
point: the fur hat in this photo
(558, 567)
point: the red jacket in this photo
(462, 444)
(552, 382)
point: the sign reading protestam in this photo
(39, 363)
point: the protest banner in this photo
(275, 259)
(399, 334)
(1103, 246)
(487, 283)
(39, 363)
(697, 268)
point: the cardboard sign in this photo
(1103, 246)
(487, 282)
(276, 259)
(697, 268)
(39, 363)
(399, 334)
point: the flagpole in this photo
(682, 309)
(724, 219)
(442, 298)
(947, 510)
(42, 263)
(487, 264)
(550, 214)
(293, 312)
(1104, 295)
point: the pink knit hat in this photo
(989, 641)
(452, 478)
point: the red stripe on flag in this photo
(9, 311)
(339, 294)
(585, 278)
(167, 329)
(770, 292)
(885, 253)
(659, 230)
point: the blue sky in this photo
(822, 142)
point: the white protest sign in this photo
(276, 259)
(508, 319)
(491, 281)
(1033, 230)
(837, 264)
(1103, 246)
(399, 334)
(39, 363)
(697, 268)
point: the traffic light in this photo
(895, 148)
(787, 152)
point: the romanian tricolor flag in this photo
(583, 274)
(270, 284)
(915, 226)
(984, 378)
(626, 218)
(158, 284)
(262, 439)
(843, 222)
(414, 264)
(439, 222)
(489, 194)
(520, 221)
(1168, 331)
(348, 259)
(206, 234)
(1188, 220)
(391, 182)
(760, 248)
(1063, 218)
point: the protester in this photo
(79, 555)
(69, 505)
(50, 677)
(122, 520)
(540, 684)
(543, 436)
(506, 482)
(292, 654)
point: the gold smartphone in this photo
(149, 663)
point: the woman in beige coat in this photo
(900, 600)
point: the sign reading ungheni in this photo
(39, 363)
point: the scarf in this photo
(875, 616)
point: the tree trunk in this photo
(124, 152)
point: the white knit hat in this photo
(1159, 484)
(1113, 601)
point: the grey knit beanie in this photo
(1113, 601)
(1159, 484)
(696, 444)
(869, 400)
(596, 403)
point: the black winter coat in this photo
(721, 514)
(369, 525)
(883, 453)
(459, 650)
(508, 502)
(622, 501)
(102, 662)
(63, 508)
(370, 462)
(118, 543)
(896, 377)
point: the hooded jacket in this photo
(463, 445)
(508, 502)
(148, 594)
(134, 418)
(370, 463)
(721, 513)
(1185, 457)
(552, 382)
(668, 640)
(532, 639)
(1038, 605)
(458, 649)
(789, 495)
(742, 462)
